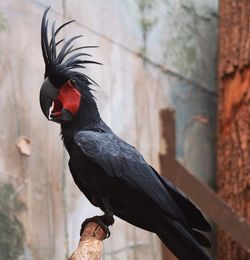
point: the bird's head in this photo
(63, 88)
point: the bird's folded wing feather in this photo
(120, 160)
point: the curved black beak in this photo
(48, 93)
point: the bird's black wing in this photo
(120, 160)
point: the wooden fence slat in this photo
(202, 195)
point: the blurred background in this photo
(157, 54)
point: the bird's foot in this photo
(104, 221)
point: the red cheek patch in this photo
(69, 97)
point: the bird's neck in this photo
(87, 115)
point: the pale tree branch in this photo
(90, 245)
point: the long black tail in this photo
(180, 241)
(193, 215)
(185, 241)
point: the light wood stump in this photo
(90, 245)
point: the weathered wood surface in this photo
(41, 204)
(90, 245)
(234, 118)
(201, 194)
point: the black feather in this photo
(201, 239)
(59, 42)
(152, 200)
(56, 68)
(63, 52)
(194, 216)
(73, 58)
(83, 47)
(63, 25)
(105, 167)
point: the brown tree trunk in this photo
(234, 117)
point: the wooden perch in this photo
(90, 245)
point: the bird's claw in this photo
(99, 221)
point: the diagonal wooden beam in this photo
(201, 194)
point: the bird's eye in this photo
(72, 81)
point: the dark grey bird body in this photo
(105, 167)
(112, 174)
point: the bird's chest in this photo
(87, 174)
(81, 169)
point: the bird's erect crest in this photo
(60, 63)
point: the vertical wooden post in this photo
(217, 210)
(168, 134)
(233, 176)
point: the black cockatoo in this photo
(112, 174)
